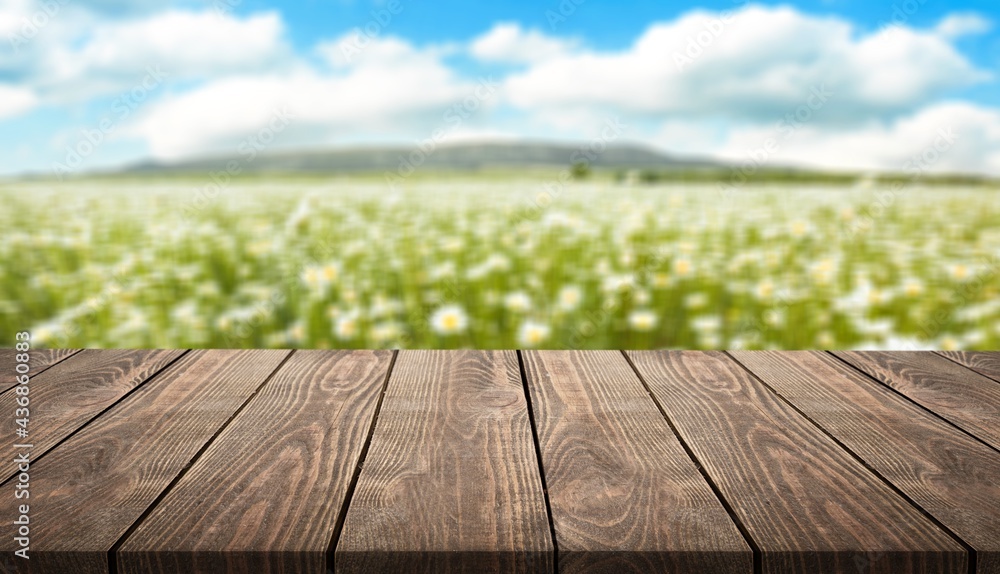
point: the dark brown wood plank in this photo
(624, 495)
(86, 493)
(8, 377)
(983, 362)
(70, 393)
(265, 496)
(451, 482)
(949, 474)
(38, 361)
(808, 504)
(964, 397)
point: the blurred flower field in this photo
(498, 264)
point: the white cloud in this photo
(752, 64)
(394, 88)
(963, 24)
(123, 6)
(193, 43)
(355, 49)
(509, 43)
(12, 14)
(941, 138)
(71, 62)
(15, 100)
(704, 83)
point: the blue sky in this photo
(894, 85)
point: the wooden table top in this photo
(274, 461)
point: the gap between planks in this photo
(914, 402)
(538, 456)
(163, 369)
(338, 527)
(113, 551)
(968, 548)
(758, 557)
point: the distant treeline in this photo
(653, 176)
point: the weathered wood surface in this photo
(624, 494)
(451, 482)
(88, 492)
(486, 461)
(66, 396)
(266, 495)
(985, 363)
(947, 473)
(38, 361)
(964, 397)
(809, 505)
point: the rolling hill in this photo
(451, 157)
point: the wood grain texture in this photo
(964, 397)
(949, 474)
(87, 492)
(983, 362)
(451, 482)
(625, 496)
(809, 506)
(70, 393)
(265, 496)
(38, 361)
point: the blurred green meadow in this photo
(480, 263)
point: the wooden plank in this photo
(8, 377)
(86, 493)
(964, 397)
(45, 358)
(38, 361)
(266, 495)
(624, 495)
(949, 474)
(983, 362)
(808, 504)
(72, 392)
(451, 482)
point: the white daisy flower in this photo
(642, 320)
(570, 297)
(532, 334)
(449, 320)
(346, 327)
(518, 301)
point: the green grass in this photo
(497, 263)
